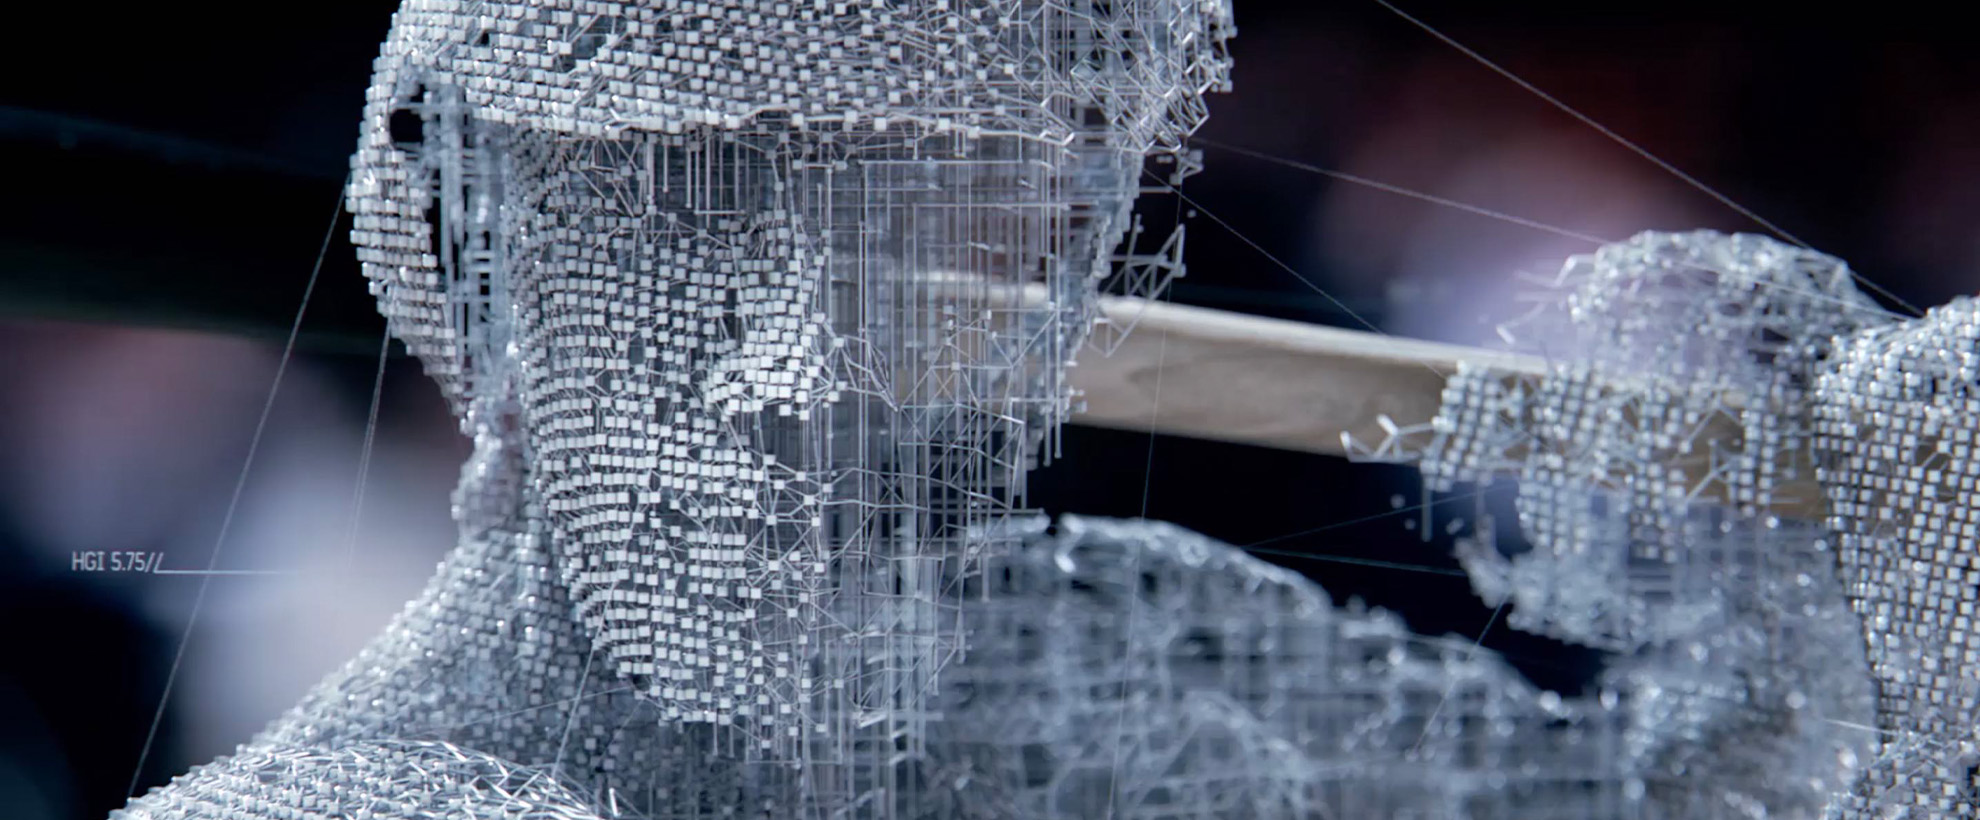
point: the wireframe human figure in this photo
(757, 312)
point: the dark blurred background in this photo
(171, 170)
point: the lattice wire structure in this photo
(756, 310)
(1679, 367)
(1670, 424)
(1134, 669)
(1915, 775)
(1231, 689)
(759, 311)
(1894, 433)
(388, 779)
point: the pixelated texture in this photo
(1894, 430)
(1228, 689)
(1678, 369)
(1670, 423)
(379, 780)
(758, 312)
(755, 310)
(1134, 669)
(779, 296)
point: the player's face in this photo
(745, 369)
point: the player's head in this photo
(775, 296)
(472, 117)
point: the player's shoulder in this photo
(390, 779)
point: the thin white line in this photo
(1633, 147)
(1366, 562)
(1412, 194)
(1859, 726)
(225, 572)
(1309, 283)
(1134, 572)
(1363, 519)
(1431, 722)
(1515, 220)
(556, 766)
(364, 456)
(254, 445)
